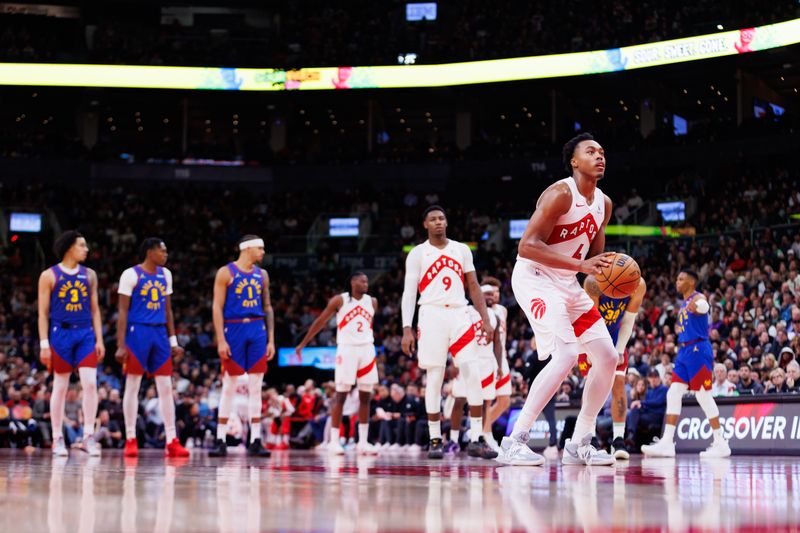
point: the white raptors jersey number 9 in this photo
(354, 320)
(441, 272)
(575, 230)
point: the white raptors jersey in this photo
(354, 320)
(485, 345)
(502, 319)
(440, 274)
(575, 230)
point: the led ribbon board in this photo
(410, 76)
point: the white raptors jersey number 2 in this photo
(575, 230)
(441, 272)
(354, 320)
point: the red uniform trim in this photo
(437, 266)
(585, 321)
(465, 339)
(366, 370)
(488, 380)
(502, 381)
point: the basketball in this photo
(621, 278)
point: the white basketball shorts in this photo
(443, 330)
(555, 307)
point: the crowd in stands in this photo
(314, 33)
(748, 267)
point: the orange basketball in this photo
(621, 278)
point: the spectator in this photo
(646, 414)
(721, 385)
(777, 382)
(107, 432)
(793, 376)
(747, 385)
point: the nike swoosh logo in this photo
(580, 205)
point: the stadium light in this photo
(406, 76)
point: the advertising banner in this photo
(765, 427)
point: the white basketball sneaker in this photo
(586, 452)
(660, 448)
(514, 451)
(365, 448)
(60, 448)
(90, 446)
(717, 450)
(335, 448)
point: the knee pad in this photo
(707, 403)
(675, 397)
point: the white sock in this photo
(487, 435)
(718, 435)
(130, 404)
(255, 431)
(669, 433)
(475, 428)
(363, 434)
(619, 430)
(222, 431)
(57, 400)
(435, 429)
(454, 434)
(334, 435)
(89, 385)
(166, 401)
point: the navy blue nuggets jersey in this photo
(691, 326)
(70, 299)
(243, 299)
(149, 297)
(612, 310)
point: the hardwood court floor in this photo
(307, 491)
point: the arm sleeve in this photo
(168, 278)
(127, 282)
(625, 330)
(409, 302)
(469, 264)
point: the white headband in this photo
(487, 288)
(252, 243)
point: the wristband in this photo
(173, 341)
(44, 344)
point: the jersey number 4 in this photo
(577, 254)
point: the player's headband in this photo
(252, 243)
(488, 288)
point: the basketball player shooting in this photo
(565, 235)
